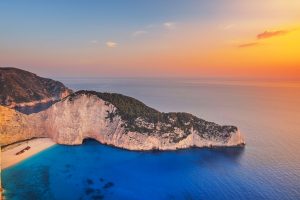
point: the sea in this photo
(268, 167)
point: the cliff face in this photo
(20, 88)
(15, 126)
(122, 122)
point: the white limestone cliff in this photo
(74, 119)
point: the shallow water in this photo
(267, 168)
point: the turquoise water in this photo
(267, 168)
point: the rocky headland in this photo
(117, 120)
(20, 88)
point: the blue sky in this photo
(119, 37)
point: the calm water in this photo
(267, 168)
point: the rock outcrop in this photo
(116, 120)
(19, 88)
(16, 126)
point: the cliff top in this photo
(130, 109)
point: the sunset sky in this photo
(165, 38)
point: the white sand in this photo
(8, 154)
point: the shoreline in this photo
(8, 153)
(9, 158)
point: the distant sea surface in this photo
(267, 113)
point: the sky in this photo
(157, 38)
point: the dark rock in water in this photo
(67, 165)
(97, 197)
(89, 191)
(108, 185)
(101, 179)
(20, 88)
(89, 181)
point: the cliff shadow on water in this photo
(207, 154)
(230, 152)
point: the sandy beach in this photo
(8, 153)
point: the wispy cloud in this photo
(169, 25)
(228, 26)
(150, 26)
(265, 35)
(94, 41)
(268, 34)
(139, 33)
(111, 44)
(250, 44)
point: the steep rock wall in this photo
(75, 118)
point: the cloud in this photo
(228, 26)
(150, 26)
(250, 44)
(265, 35)
(268, 34)
(139, 33)
(169, 25)
(94, 41)
(111, 44)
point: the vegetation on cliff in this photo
(19, 86)
(142, 118)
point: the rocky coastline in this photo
(20, 88)
(110, 119)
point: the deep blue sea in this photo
(267, 113)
